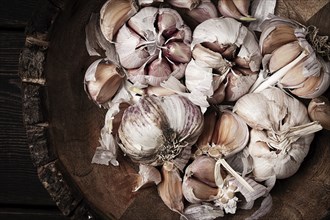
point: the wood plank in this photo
(33, 212)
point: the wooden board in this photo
(63, 128)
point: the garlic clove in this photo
(294, 77)
(177, 52)
(158, 71)
(168, 22)
(284, 55)
(204, 11)
(238, 84)
(170, 189)
(230, 51)
(195, 191)
(102, 81)
(319, 110)
(188, 4)
(242, 6)
(202, 169)
(127, 42)
(231, 134)
(276, 37)
(204, 139)
(147, 175)
(114, 14)
(148, 2)
(315, 85)
(208, 58)
(228, 9)
(219, 92)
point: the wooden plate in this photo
(63, 127)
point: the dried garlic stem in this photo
(273, 79)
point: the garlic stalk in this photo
(280, 140)
(153, 45)
(163, 127)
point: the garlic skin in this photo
(113, 14)
(102, 81)
(319, 110)
(159, 135)
(153, 45)
(280, 140)
(216, 53)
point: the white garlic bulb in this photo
(153, 45)
(226, 58)
(282, 132)
(290, 60)
(157, 129)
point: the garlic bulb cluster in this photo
(281, 132)
(165, 66)
(152, 45)
(290, 61)
(163, 127)
(225, 60)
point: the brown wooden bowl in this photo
(63, 128)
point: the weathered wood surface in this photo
(63, 125)
(22, 195)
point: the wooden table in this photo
(21, 194)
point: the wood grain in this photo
(54, 98)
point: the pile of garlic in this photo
(200, 103)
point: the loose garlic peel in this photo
(164, 127)
(214, 55)
(319, 110)
(154, 45)
(280, 138)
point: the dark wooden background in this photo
(21, 194)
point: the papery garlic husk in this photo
(102, 80)
(170, 189)
(204, 211)
(215, 53)
(319, 110)
(237, 9)
(199, 183)
(148, 175)
(282, 132)
(153, 45)
(113, 14)
(157, 129)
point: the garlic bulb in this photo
(290, 61)
(153, 45)
(226, 58)
(319, 110)
(157, 129)
(102, 80)
(281, 135)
